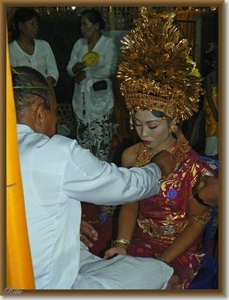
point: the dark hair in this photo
(94, 16)
(28, 84)
(158, 114)
(23, 15)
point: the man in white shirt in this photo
(57, 174)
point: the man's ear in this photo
(39, 114)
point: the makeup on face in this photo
(153, 131)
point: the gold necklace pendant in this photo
(178, 149)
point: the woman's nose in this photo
(144, 131)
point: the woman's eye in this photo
(153, 125)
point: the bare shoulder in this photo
(129, 156)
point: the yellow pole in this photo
(19, 271)
(111, 18)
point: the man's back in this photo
(53, 218)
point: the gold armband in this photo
(120, 241)
(204, 218)
(158, 257)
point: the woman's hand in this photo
(114, 251)
(79, 77)
(78, 67)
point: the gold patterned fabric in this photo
(151, 228)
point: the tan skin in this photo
(28, 32)
(156, 136)
(92, 33)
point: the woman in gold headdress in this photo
(161, 86)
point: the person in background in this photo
(93, 98)
(26, 50)
(160, 89)
(211, 108)
(57, 174)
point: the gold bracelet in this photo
(120, 241)
(158, 257)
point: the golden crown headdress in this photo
(155, 68)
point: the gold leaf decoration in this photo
(155, 68)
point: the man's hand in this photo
(209, 193)
(165, 161)
(88, 233)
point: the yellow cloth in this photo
(19, 271)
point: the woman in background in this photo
(26, 50)
(93, 98)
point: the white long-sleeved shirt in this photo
(95, 104)
(57, 174)
(42, 59)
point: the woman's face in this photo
(29, 29)
(88, 29)
(153, 131)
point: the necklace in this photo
(178, 149)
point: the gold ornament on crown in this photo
(156, 70)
